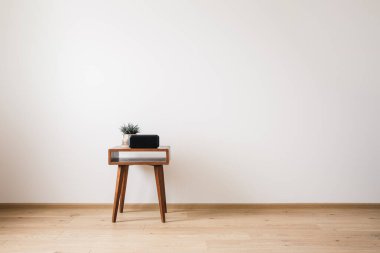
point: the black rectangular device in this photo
(144, 141)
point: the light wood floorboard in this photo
(90, 230)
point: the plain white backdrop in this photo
(261, 101)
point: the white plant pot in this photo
(125, 141)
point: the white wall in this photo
(261, 101)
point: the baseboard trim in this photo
(140, 206)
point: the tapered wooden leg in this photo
(119, 182)
(123, 187)
(157, 172)
(163, 188)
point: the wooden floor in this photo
(83, 229)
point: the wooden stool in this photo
(122, 174)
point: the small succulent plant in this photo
(130, 128)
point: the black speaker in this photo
(144, 141)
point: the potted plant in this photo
(127, 131)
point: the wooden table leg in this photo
(123, 187)
(157, 171)
(163, 188)
(119, 182)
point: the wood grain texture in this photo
(119, 182)
(139, 161)
(265, 230)
(128, 149)
(162, 181)
(158, 173)
(123, 187)
(114, 159)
